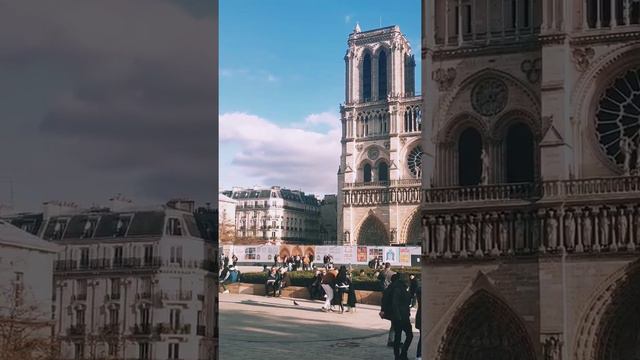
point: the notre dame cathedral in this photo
(531, 179)
(379, 184)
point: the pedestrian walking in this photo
(385, 279)
(328, 280)
(419, 322)
(401, 317)
(342, 287)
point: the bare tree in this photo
(26, 331)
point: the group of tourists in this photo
(397, 297)
(335, 287)
(277, 279)
(229, 275)
(295, 262)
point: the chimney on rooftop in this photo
(120, 203)
(182, 204)
(57, 208)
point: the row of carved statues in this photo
(495, 233)
(362, 197)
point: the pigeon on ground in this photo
(295, 303)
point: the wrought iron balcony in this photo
(76, 330)
(141, 329)
(178, 295)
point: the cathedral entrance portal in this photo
(486, 329)
(373, 232)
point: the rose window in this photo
(414, 160)
(618, 120)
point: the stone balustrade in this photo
(566, 216)
(402, 195)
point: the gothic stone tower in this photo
(379, 176)
(531, 211)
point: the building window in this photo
(367, 173)
(520, 150)
(469, 162)
(80, 317)
(174, 318)
(414, 162)
(146, 287)
(174, 351)
(383, 172)
(143, 351)
(148, 255)
(115, 288)
(79, 351)
(144, 316)
(382, 75)
(174, 228)
(250, 253)
(117, 256)
(366, 77)
(113, 349)
(176, 255)
(81, 290)
(114, 315)
(84, 258)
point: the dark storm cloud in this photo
(138, 101)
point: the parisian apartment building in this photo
(276, 215)
(131, 282)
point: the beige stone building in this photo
(531, 179)
(379, 175)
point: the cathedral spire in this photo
(357, 28)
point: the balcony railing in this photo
(110, 329)
(164, 328)
(141, 329)
(76, 330)
(599, 215)
(178, 295)
(108, 264)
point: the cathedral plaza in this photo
(257, 327)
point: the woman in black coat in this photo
(342, 286)
(351, 299)
(419, 321)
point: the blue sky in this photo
(282, 74)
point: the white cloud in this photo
(270, 154)
(347, 19)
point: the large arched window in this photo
(519, 153)
(383, 171)
(382, 75)
(366, 77)
(366, 172)
(409, 75)
(469, 161)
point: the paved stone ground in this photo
(257, 327)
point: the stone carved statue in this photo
(520, 233)
(456, 236)
(552, 348)
(623, 227)
(626, 147)
(587, 229)
(604, 228)
(440, 236)
(487, 233)
(504, 234)
(569, 230)
(484, 156)
(472, 236)
(552, 231)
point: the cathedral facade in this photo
(531, 186)
(380, 165)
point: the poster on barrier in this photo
(362, 255)
(405, 257)
(375, 252)
(391, 255)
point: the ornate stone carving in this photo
(532, 69)
(456, 231)
(587, 230)
(444, 78)
(359, 147)
(489, 96)
(472, 237)
(552, 231)
(440, 235)
(552, 347)
(604, 228)
(487, 234)
(486, 167)
(569, 230)
(623, 227)
(373, 153)
(582, 57)
(387, 145)
(504, 234)
(519, 226)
